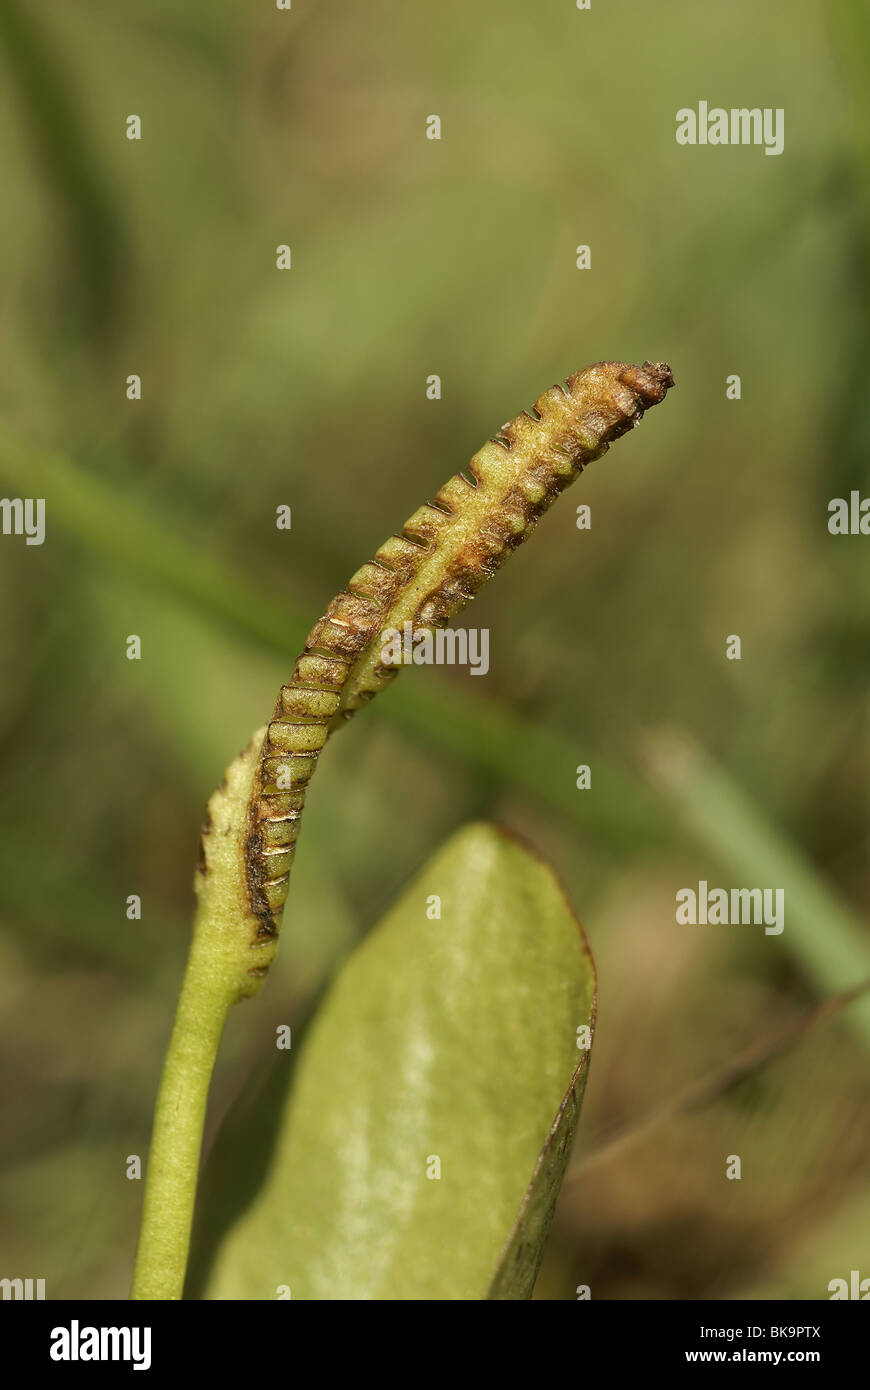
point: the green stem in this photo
(173, 1161)
(224, 966)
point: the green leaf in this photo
(452, 1039)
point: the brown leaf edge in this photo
(516, 1270)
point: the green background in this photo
(307, 388)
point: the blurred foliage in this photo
(413, 257)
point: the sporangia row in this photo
(426, 575)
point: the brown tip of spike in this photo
(650, 382)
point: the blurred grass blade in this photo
(486, 735)
(829, 941)
(124, 532)
(620, 811)
(85, 200)
(849, 27)
(440, 1076)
